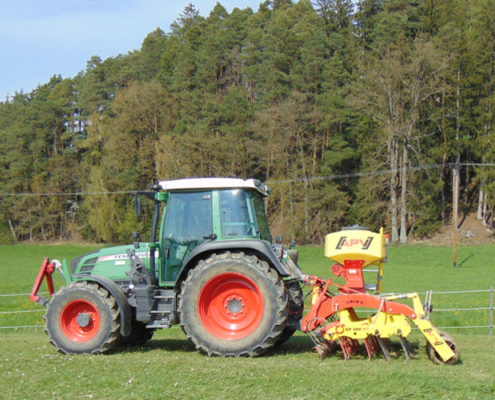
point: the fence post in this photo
(491, 310)
(430, 299)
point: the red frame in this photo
(325, 305)
(46, 271)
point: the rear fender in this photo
(262, 249)
(118, 295)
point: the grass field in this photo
(169, 366)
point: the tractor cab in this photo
(205, 210)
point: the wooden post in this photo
(455, 199)
(491, 310)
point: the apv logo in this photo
(354, 242)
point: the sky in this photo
(42, 38)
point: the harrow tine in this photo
(354, 345)
(385, 346)
(405, 347)
(369, 349)
(371, 346)
(346, 348)
(323, 349)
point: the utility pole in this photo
(455, 200)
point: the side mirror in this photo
(137, 205)
(136, 237)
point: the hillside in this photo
(470, 232)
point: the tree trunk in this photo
(442, 173)
(291, 209)
(43, 233)
(12, 231)
(456, 196)
(481, 196)
(457, 134)
(403, 211)
(306, 201)
(485, 211)
(393, 189)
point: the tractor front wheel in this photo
(234, 305)
(82, 318)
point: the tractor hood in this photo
(110, 262)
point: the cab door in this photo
(188, 220)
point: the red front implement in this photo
(46, 271)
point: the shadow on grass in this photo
(296, 345)
(169, 345)
(465, 260)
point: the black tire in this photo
(138, 337)
(296, 308)
(82, 318)
(208, 302)
(435, 357)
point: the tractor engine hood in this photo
(110, 262)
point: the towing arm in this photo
(46, 271)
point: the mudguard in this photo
(262, 249)
(118, 295)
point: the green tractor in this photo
(210, 267)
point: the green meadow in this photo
(170, 367)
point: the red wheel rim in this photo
(230, 306)
(80, 321)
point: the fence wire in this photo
(409, 168)
(428, 306)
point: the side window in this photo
(237, 214)
(188, 217)
(261, 218)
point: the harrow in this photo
(332, 321)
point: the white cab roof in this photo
(213, 183)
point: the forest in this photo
(374, 112)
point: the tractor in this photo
(211, 267)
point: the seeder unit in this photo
(332, 321)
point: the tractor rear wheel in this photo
(296, 308)
(233, 305)
(435, 357)
(82, 318)
(138, 337)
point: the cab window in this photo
(237, 214)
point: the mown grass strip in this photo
(170, 367)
